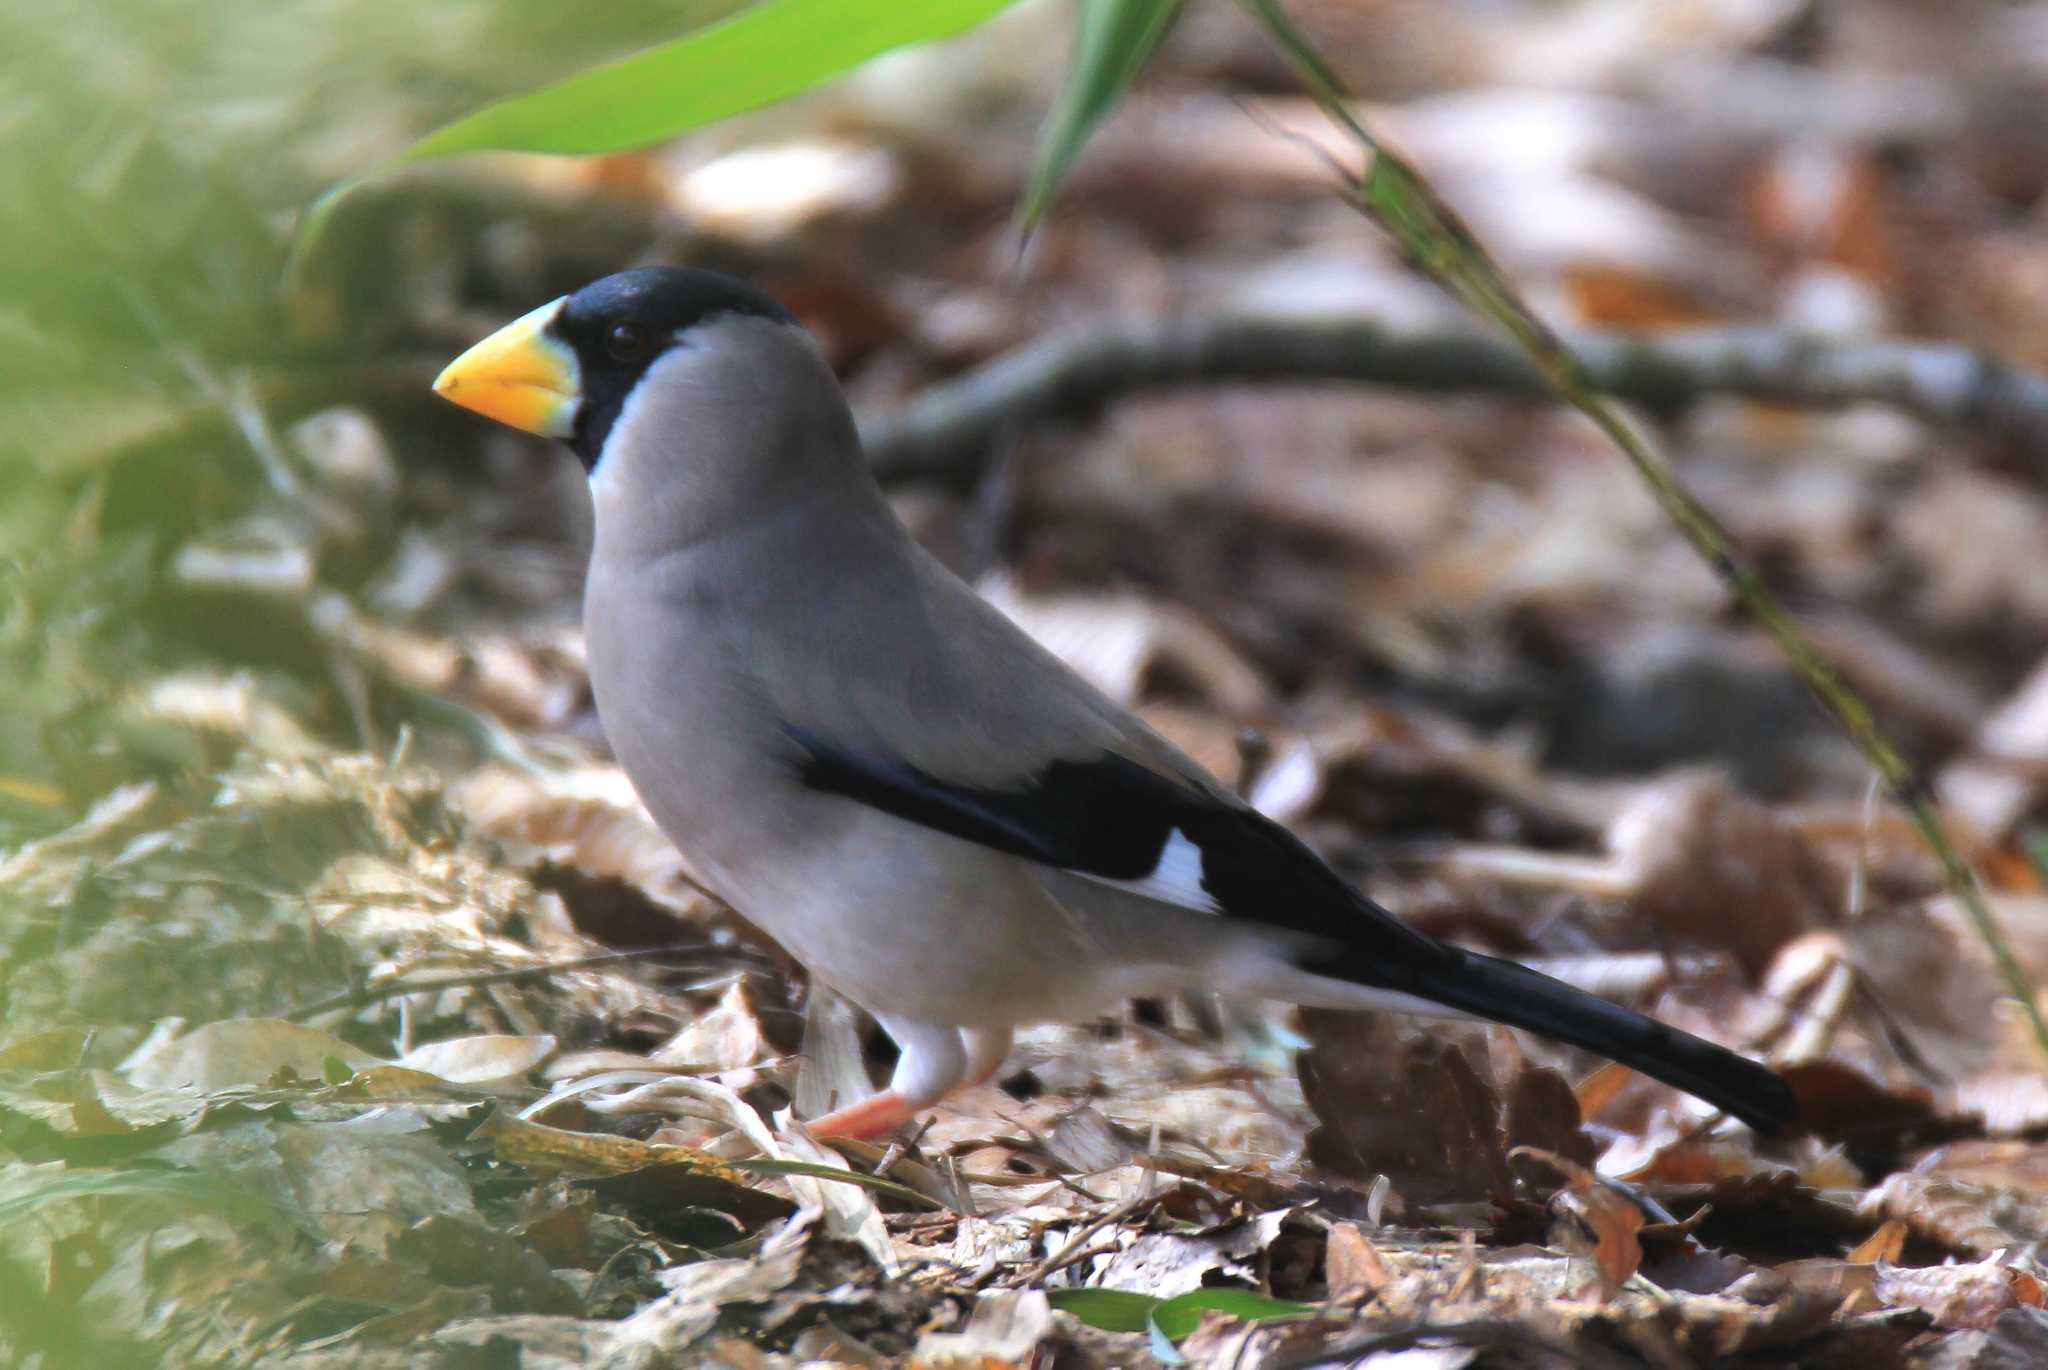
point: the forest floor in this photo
(355, 1013)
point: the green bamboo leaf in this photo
(1112, 40)
(1168, 1320)
(765, 53)
(1106, 1310)
(1178, 1316)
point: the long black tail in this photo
(1488, 987)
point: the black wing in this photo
(1113, 819)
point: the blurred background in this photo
(1837, 171)
(291, 675)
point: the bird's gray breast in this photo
(683, 713)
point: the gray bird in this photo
(931, 812)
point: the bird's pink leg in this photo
(871, 1117)
(981, 1054)
(933, 1060)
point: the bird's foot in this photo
(871, 1117)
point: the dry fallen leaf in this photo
(1959, 1295)
(1408, 1107)
(1353, 1266)
(1999, 779)
(588, 817)
(1592, 1211)
(1005, 1329)
(480, 1059)
(1119, 643)
(1977, 1213)
(1406, 1104)
(238, 1051)
(1885, 1244)
(698, 1291)
(1715, 869)
(728, 1037)
(1166, 1264)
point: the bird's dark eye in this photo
(627, 342)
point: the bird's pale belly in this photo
(913, 924)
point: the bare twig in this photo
(1072, 1248)
(947, 433)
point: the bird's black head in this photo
(567, 368)
(617, 326)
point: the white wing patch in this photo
(1176, 878)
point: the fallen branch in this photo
(946, 432)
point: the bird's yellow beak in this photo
(520, 375)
